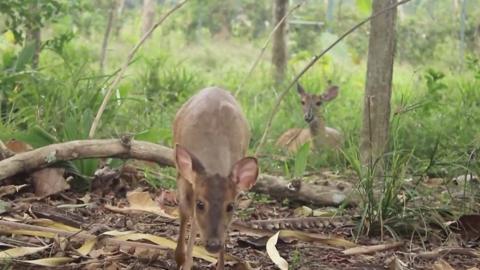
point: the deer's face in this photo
(214, 195)
(311, 102)
(214, 202)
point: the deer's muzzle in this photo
(213, 245)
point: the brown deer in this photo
(318, 133)
(211, 137)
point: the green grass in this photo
(435, 108)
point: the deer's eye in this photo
(230, 207)
(318, 103)
(303, 102)
(200, 205)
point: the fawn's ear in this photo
(300, 90)
(330, 93)
(244, 173)
(188, 166)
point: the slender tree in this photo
(376, 112)
(279, 46)
(106, 36)
(33, 35)
(148, 15)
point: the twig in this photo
(371, 249)
(439, 252)
(310, 64)
(124, 67)
(265, 45)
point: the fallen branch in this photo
(298, 223)
(310, 64)
(305, 193)
(48, 155)
(327, 194)
(124, 68)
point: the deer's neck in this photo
(317, 130)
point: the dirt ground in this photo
(94, 218)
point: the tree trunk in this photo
(118, 18)
(103, 52)
(330, 10)
(339, 10)
(376, 112)
(279, 50)
(33, 36)
(148, 15)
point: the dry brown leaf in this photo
(49, 181)
(323, 213)
(244, 203)
(51, 262)
(395, 263)
(140, 202)
(303, 211)
(167, 197)
(441, 264)
(198, 252)
(18, 146)
(20, 251)
(53, 224)
(31, 233)
(10, 189)
(272, 252)
(87, 247)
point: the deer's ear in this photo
(244, 173)
(300, 89)
(188, 166)
(330, 93)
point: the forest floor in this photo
(62, 222)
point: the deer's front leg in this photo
(191, 241)
(180, 250)
(220, 261)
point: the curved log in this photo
(82, 149)
(329, 194)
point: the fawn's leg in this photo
(180, 250)
(220, 260)
(191, 241)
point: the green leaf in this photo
(301, 159)
(25, 57)
(364, 6)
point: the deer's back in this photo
(212, 126)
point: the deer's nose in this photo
(213, 245)
(308, 117)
